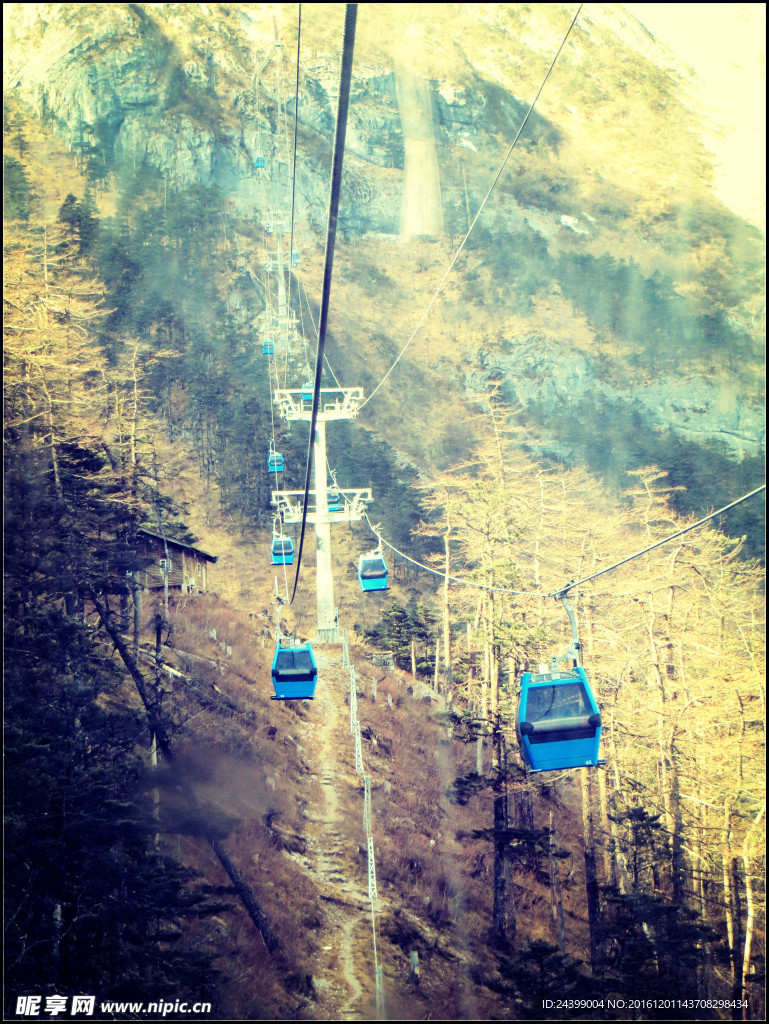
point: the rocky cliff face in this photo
(199, 91)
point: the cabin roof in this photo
(177, 543)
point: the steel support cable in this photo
(659, 543)
(293, 175)
(480, 211)
(273, 449)
(348, 47)
(454, 579)
(312, 321)
(270, 357)
(564, 590)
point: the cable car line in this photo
(454, 579)
(475, 219)
(563, 591)
(293, 176)
(348, 47)
(680, 533)
(302, 288)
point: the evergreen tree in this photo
(17, 194)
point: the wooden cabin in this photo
(185, 565)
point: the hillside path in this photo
(343, 974)
(421, 209)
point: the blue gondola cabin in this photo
(268, 347)
(282, 551)
(559, 722)
(334, 500)
(372, 572)
(275, 462)
(294, 673)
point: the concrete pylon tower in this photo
(325, 580)
(335, 404)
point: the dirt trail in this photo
(343, 973)
(421, 209)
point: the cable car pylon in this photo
(348, 505)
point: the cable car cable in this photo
(326, 357)
(312, 321)
(454, 579)
(680, 533)
(293, 177)
(573, 584)
(480, 211)
(348, 48)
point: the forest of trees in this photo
(673, 644)
(91, 902)
(117, 328)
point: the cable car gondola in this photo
(259, 162)
(334, 499)
(268, 347)
(372, 570)
(294, 672)
(282, 550)
(559, 723)
(275, 461)
(308, 390)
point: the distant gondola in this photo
(282, 551)
(308, 391)
(559, 722)
(372, 571)
(275, 461)
(259, 162)
(334, 500)
(294, 673)
(268, 347)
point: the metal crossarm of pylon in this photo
(277, 261)
(277, 224)
(335, 403)
(289, 505)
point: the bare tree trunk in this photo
(446, 621)
(726, 860)
(737, 920)
(591, 874)
(555, 891)
(747, 853)
(137, 601)
(503, 911)
(608, 859)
